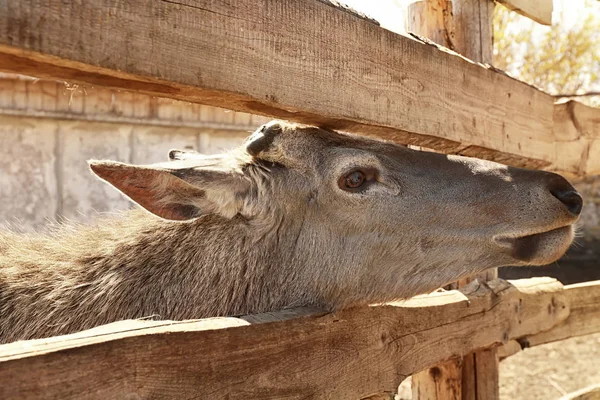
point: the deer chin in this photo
(540, 248)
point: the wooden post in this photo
(464, 26)
(473, 29)
(432, 19)
(441, 382)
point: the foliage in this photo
(561, 59)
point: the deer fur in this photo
(268, 226)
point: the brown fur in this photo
(268, 228)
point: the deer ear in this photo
(173, 192)
(261, 141)
(175, 154)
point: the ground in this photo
(548, 372)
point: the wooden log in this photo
(480, 370)
(475, 376)
(302, 60)
(473, 30)
(537, 10)
(486, 372)
(584, 319)
(442, 381)
(508, 349)
(433, 19)
(466, 27)
(577, 131)
(353, 353)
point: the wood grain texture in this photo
(480, 370)
(466, 27)
(577, 131)
(301, 60)
(473, 29)
(584, 319)
(538, 10)
(441, 382)
(432, 19)
(487, 374)
(349, 354)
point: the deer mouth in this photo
(539, 248)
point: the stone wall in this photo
(48, 131)
(44, 172)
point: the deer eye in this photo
(352, 180)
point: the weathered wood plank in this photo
(538, 10)
(348, 354)
(486, 374)
(584, 319)
(473, 29)
(441, 382)
(432, 19)
(466, 27)
(577, 131)
(302, 60)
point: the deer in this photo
(297, 216)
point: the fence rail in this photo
(296, 354)
(313, 62)
(302, 60)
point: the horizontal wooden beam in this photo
(302, 60)
(352, 353)
(577, 132)
(538, 10)
(584, 319)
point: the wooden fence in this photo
(298, 354)
(314, 62)
(301, 60)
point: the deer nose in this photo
(566, 193)
(571, 199)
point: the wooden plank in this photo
(474, 376)
(433, 19)
(353, 353)
(480, 370)
(302, 60)
(473, 29)
(538, 10)
(486, 374)
(508, 349)
(584, 319)
(577, 128)
(466, 27)
(442, 381)
(468, 381)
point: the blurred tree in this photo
(561, 59)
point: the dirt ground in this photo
(550, 371)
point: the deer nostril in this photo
(571, 199)
(565, 192)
